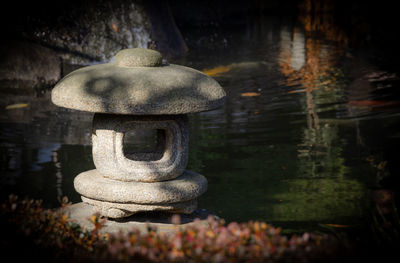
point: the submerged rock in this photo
(26, 64)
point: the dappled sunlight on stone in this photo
(125, 183)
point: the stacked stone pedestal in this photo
(139, 90)
(126, 183)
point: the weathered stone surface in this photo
(138, 57)
(91, 184)
(80, 212)
(120, 210)
(109, 88)
(167, 162)
(138, 83)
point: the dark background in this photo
(371, 22)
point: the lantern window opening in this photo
(144, 144)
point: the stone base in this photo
(118, 210)
(188, 186)
(80, 213)
(117, 199)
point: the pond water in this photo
(307, 140)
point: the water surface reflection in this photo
(307, 134)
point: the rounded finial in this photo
(138, 57)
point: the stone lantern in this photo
(139, 91)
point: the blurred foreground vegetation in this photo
(32, 232)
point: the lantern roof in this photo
(138, 82)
